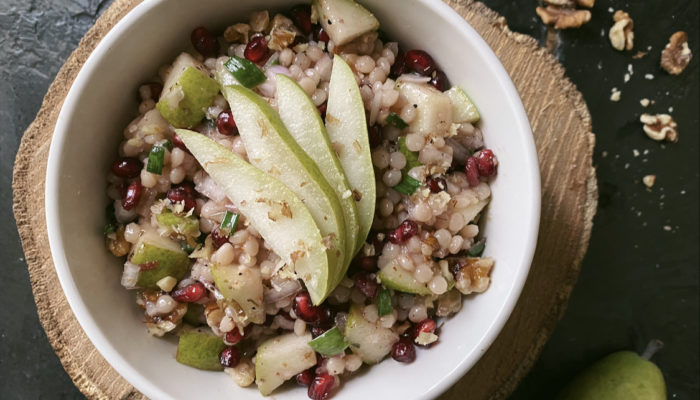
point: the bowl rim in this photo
(95, 334)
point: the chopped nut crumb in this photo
(649, 180)
(236, 33)
(615, 95)
(660, 127)
(667, 228)
(621, 34)
(627, 78)
(640, 54)
(563, 17)
(676, 56)
(644, 102)
(649, 76)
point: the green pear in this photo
(181, 225)
(347, 129)
(395, 277)
(463, 109)
(272, 208)
(368, 340)
(624, 375)
(242, 285)
(433, 108)
(272, 148)
(158, 257)
(200, 349)
(187, 92)
(304, 123)
(344, 20)
(281, 358)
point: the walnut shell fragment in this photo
(676, 56)
(660, 127)
(621, 34)
(563, 17)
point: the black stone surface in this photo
(638, 280)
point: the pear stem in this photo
(653, 346)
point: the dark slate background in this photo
(638, 281)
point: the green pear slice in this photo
(272, 148)
(344, 20)
(281, 358)
(242, 285)
(187, 91)
(158, 257)
(184, 225)
(275, 211)
(347, 130)
(368, 340)
(304, 123)
(433, 108)
(200, 349)
(463, 109)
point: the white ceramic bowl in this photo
(101, 103)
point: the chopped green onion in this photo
(395, 120)
(411, 156)
(155, 160)
(245, 71)
(384, 302)
(478, 249)
(111, 224)
(229, 223)
(407, 185)
(168, 145)
(332, 342)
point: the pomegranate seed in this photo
(304, 308)
(322, 109)
(301, 15)
(405, 231)
(403, 351)
(419, 61)
(156, 89)
(229, 357)
(366, 263)
(486, 163)
(321, 386)
(256, 50)
(204, 42)
(304, 378)
(321, 35)
(190, 293)
(132, 195)
(177, 142)
(399, 66)
(427, 326)
(218, 239)
(366, 284)
(233, 337)
(317, 331)
(182, 193)
(127, 167)
(375, 135)
(225, 123)
(439, 81)
(471, 168)
(436, 184)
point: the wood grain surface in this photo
(562, 128)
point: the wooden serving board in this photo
(562, 128)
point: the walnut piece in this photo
(570, 3)
(621, 34)
(282, 33)
(660, 127)
(676, 56)
(237, 33)
(563, 17)
(116, 243)
(649, 180)
(473, 276)
(259, 21)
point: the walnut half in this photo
(621, 34)
(563, 17)
(660, 127)
(473, 274)
(677, 54)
